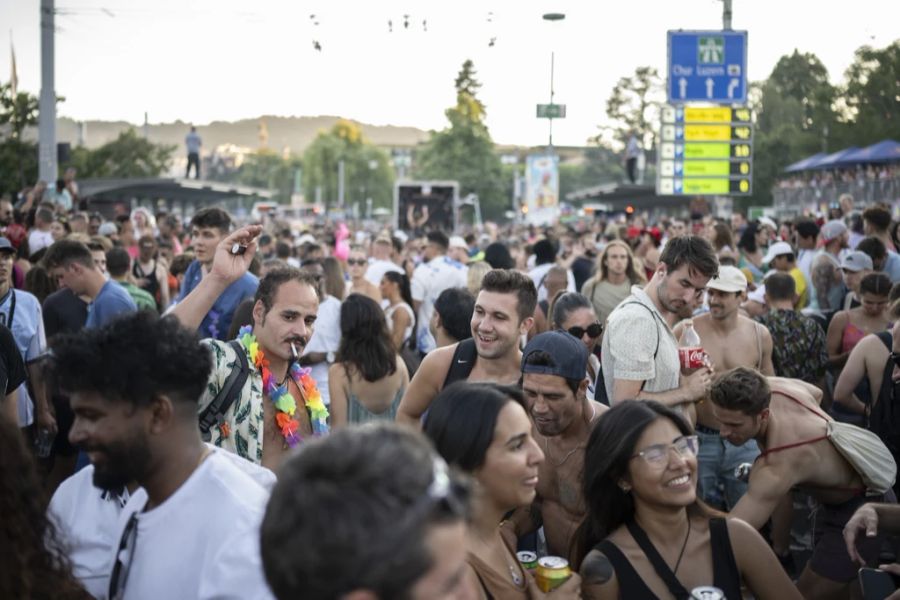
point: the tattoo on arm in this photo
(596, 569)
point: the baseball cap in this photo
(854, 261)
(777, 249)
(108, 228)
(6, 245)
(759, 294)
(833, 230)
(729, 279)
(568, 353)
(767, 222)
(457, 241)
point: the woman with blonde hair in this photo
(475, 274)
(616, 273)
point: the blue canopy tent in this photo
(884, 151)
(802, 165)
(832, 160)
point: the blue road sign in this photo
(707, 66)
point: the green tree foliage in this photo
(872, 94)
(129, 155)
(18, 157)
(464, 151)
(634, 105)
(267, 169)
(367, 170)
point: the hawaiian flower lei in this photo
(280, 396)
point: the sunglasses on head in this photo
(593, 330)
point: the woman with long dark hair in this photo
(574, 313)
(366, 380)
(647, 535)
(34, 565)
(399, 314)
(751, 249)
(484, 430)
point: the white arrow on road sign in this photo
(679, 150)
(678, 186)
(731, 86)
(679, 168)
(682, 87)
(679, 133)
(709, 87)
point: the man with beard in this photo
(640, 353)
(503, 313)
(730, 340)
(263, 417)
(800, 449)
(553, 367)
(192, 529)
(208, 227)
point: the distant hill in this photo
(294, 132)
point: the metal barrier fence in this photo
(792, 202)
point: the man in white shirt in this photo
(40, 236)
(192, 530)
(323, 344)
(381, 262)
(437, 273)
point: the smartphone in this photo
(876, 584)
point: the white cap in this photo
(457, 241)
(777, 249)
(729, 279)
(767, 222)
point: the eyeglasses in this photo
(356, 261)
(658, 454)
(593, 330)
(895, 356)
(122, 566)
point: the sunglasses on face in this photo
(356, 261)
(593, 330)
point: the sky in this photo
(206, 60)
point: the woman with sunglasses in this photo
(574, 313)
(357, 263)
(483, 429)
(647, 535)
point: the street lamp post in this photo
(552, 17)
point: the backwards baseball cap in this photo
(855, 261)
(833, 230)
(775, 250)
(729, 279)
(6, 245)
(568, 354)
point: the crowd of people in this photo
(212, 409)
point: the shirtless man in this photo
(784, 418)
(731, 340)
(503, 314)
(553, 366)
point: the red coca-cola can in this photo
(692, 357)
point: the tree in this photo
(634, 105)
(367, 171)
(18, 157)
(464, 151)
(129, 155)
(872, 94)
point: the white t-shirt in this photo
(326, 338)
(28, 330)
(377, 268)
(429, 280)
(38, 240)
(389, 317)
(87, 520)
(538, 274)
(202, 542)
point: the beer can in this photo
(707, 592)
(529, 560)
(692, 357)
(551, 572)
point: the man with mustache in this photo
(284, 312)
(640, 352)
(730, 340)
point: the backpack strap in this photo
(652, 314)
(214, 413)
(462, 363)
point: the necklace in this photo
(573, 450)
(280, 395)
(683, 546)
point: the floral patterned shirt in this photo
(798, 345)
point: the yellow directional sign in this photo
(707, 115)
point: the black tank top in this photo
(726, 576)
(149, 284)
(462, 363)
